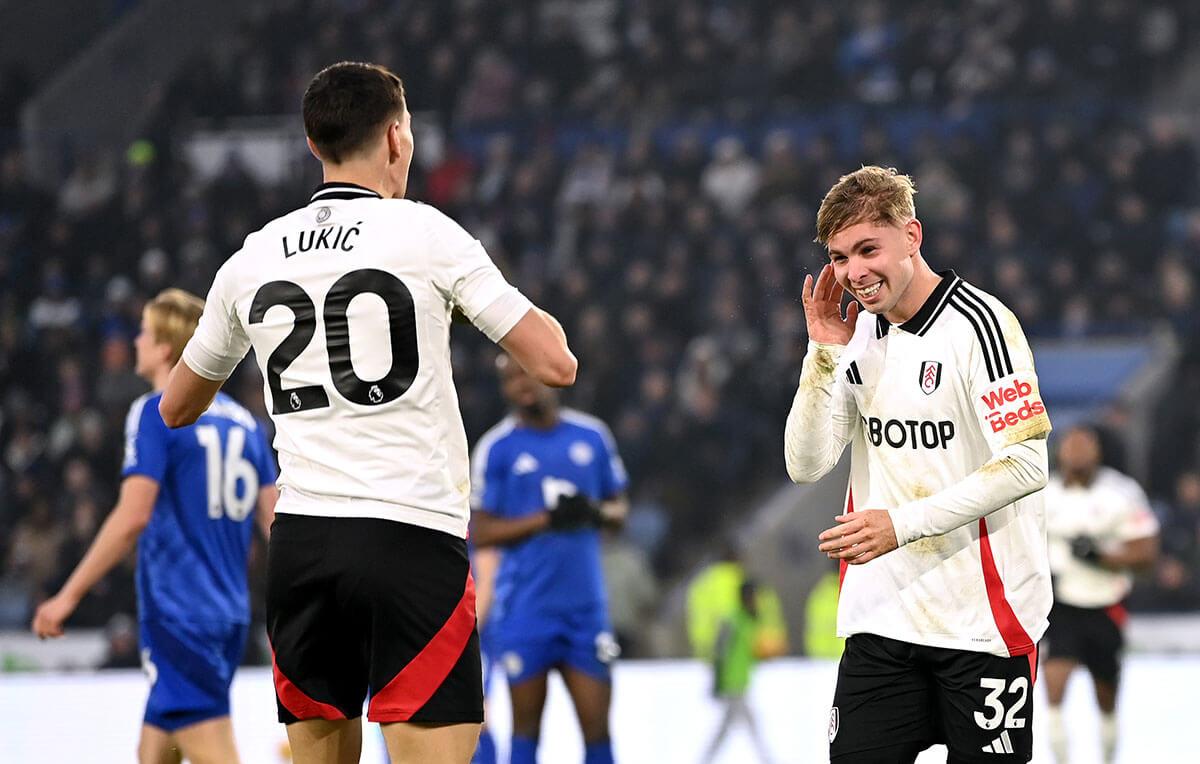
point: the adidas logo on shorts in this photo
(1002, 744)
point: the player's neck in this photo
(360, 173)
(1082, 478)
(924, 281)
(158, 378)
(543, 419)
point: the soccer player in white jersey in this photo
(1100, 529)
(347, 303)
(946, 585)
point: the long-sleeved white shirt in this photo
(948, 433)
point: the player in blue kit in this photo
(188, 500)
(544, 481)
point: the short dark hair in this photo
(346, 104)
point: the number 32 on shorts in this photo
(1015, 693)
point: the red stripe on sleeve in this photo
(416, 683)
(1015, 637)
(296, 701)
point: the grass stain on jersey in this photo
(933, 545)
(824, 364)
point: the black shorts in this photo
(1091, 636)
(358, 607)
(894, 699)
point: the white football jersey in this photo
(1111, 510)
(947, 431)
(347, 303)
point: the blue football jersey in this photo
(518, 470)
(191, 563)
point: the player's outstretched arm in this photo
(492, 530)
(114, 541)
(187, 396)
(1018, 470)
(859, 537)
(1135, 555)
(539, 344)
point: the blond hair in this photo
(870, 194)
(172, 316)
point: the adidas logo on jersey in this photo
(525, 464)
(999, 399)
(1002, 744)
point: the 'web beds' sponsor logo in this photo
(1002, 414)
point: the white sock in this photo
(1058, 734)
(1108, 737)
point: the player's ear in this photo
(312, 148)
(399, 141)
(913, 234)
(395, 145)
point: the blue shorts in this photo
(190, 667)
(528, 646)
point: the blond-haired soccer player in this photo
(946, 585)
(347, 303)
(187, 499)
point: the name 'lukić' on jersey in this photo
(337, 236)
(924, 405)
(347, 303)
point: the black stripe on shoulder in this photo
(985, 346)
(941, 307)
(991, 327)
(853, 374)
(974, 296)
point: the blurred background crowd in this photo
(649, 173)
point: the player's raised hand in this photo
(859, 536)
(48, 619)
(823, 309)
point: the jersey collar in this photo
(923, 319)
(327, 191)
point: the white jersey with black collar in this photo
(347, 303)
(947, 432)
(1110, 509)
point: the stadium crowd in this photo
(649, 173)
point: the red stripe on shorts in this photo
(296, 701)
(1015, 637)
(416, 683)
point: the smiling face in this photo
(875, 263)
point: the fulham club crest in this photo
(931, 376)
